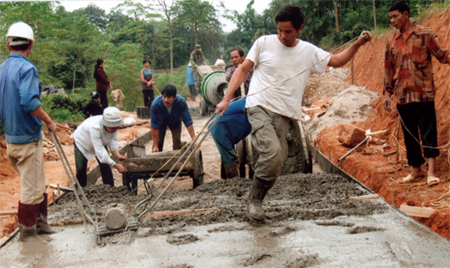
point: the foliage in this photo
(68, 43)
(62, 109)
(163, 79)
(2, 130)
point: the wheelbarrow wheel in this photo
(240, 151)
(203, 108)
(222, 170)
(198, 173)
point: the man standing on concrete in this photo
(409, 78)
(21, 114)
(237, 58)
(283, 65)
(91, 139)
(168, 109)
(197, 59)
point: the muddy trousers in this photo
(28, 160)
(268, 137)
(81, 166)
(419, 115)
(175, 128)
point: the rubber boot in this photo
(42, 225)
(231, 171)
(27, 217)
(254, 208)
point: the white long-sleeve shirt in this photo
(91, 137)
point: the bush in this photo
(2, 130)
(179, 81)
(62, 109)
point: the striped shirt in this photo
(408, 70)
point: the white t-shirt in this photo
(274, 63)
(91, 138)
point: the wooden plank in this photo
(417, 211)
(178, 212)
(372, 196)
(8, 213)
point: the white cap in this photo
(111, 117)
(22, 30)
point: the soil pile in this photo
(350, 105)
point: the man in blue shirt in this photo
(231, 128)
(168, 109)
(21, 114)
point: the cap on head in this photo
(94, 95)
(111, 117)
(20, 30)
(198, 46)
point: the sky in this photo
(228, 26)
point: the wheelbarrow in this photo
(142, 166)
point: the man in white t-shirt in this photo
(282, 66)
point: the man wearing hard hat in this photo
(22, 115)
(91, 139)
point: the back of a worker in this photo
(21, 114)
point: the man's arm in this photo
(191, 131)
(342, 58)
(155, 136)
(235, 83)
(39, 113)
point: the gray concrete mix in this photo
(308, 224)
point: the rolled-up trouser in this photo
(81, 166)
(175, 128)
(268, 137)
(28, 160)
(415, 116)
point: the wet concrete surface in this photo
(308, 224)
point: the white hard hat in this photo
(22, 30)
(112, 117)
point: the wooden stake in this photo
(59, 190)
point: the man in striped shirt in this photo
(409, 81)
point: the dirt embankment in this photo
(373, 167)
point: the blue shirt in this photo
(160, 115)
(233, 125)
(19, 96)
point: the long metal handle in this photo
(184, 164)
(66, 166)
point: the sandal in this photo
(432, 180)
(410, 179)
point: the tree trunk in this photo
(171, 50)
(336, 15)
(374, 16)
